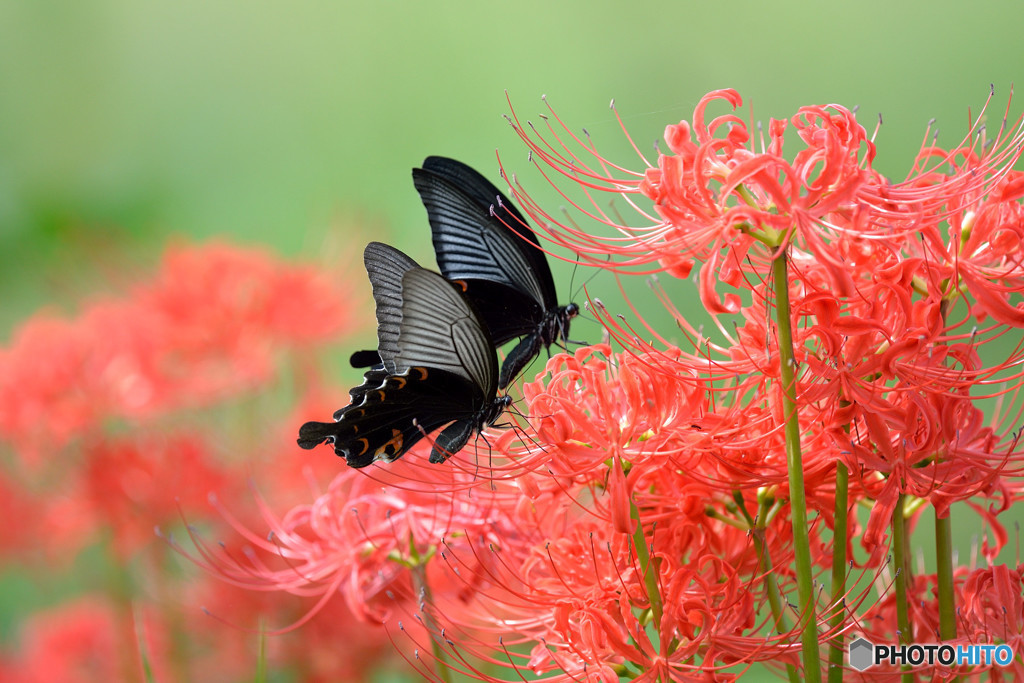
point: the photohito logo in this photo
(865, 654)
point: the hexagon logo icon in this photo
(860, 654)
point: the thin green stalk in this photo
(794, 462)
(418, 568)
(772, 584)
(837, 648)
(901, 560)
(944, 558)
(649, 570)
(140, 636)
(261, 660)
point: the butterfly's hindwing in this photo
(387, 418)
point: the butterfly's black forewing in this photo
(484, 243)
(507, 313)
(473, 244)
(385, 267)
(478, 188)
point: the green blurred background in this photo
(126, 123)
(123, 122)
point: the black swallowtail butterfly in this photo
(483, 242)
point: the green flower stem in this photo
(418, 568)
(650, 571)
(837, 648)
(901, 560)
(261, 657)
(140, 638)
(944, 558)
(794, 461)
(771, 583)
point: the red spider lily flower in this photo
(369, 542)
(686, 464)
(716, 195)
(638, 521)
(105, 397)
(877, 266)
(885, 381)
(127, 487)
(208, 326)
(991, 612)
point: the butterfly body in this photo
(436, 367)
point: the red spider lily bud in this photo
(618, 489)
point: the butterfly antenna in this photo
(562, 334)
(597, 271)
(572, 277)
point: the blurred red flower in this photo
(131, 415)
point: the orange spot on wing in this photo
(395, 443)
